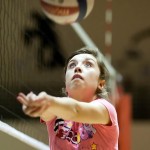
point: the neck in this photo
(82, 97)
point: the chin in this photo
(75, 88)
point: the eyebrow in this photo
(84, 60)
(90, 59)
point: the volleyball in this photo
(67, 11)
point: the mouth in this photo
(77, 76)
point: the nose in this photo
(77, 69)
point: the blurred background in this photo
(33, 50)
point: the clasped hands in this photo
(34, 105)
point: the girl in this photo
(84, 120)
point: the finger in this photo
(37, 103)
(33, 111)
(42, 95)
(26, 100)
(38, 111)
(31, 96)
(31, 100)
(24, 107)
(28, 110)
(22, 95)
(22, 100)
(38, 100)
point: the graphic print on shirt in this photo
(72, 131)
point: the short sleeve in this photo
(111, 110)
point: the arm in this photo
(68, 109)
(71, 109)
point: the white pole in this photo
(22, 137)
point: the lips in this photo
(77, 76)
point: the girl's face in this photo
(82, 75)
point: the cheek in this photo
(93, 79)
(93, 75)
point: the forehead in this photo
(82, 57)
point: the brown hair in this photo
(103, 70)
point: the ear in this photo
(101, 84)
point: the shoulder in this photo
(110, 108)
(106, 103)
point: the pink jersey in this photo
(69, 135)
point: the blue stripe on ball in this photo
(82, 9)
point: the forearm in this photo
(71, 109)
(47, 116)
(62, 107)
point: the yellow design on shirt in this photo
(69, 124)
(78, 137)
(93, 146)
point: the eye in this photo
(72, 65)
(88, 64)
